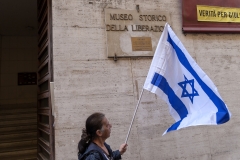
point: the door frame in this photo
(45, 129)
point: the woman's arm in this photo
(117, 154)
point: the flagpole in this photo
(134, 115)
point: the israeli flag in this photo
(174, 76)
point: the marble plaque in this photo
(133, 34)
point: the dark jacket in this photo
(93, 152)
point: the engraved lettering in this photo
(133, 28)
(145, 17)
(113, 27)
(139, 27)
(153, 17)
(108, 27)
(225, 14)
(161, 28)
(125, 28)
(147, 28)
(164, 18)
(121, 17)
(159, 18)
(130, 17)
(117, 17)
(125, 17)
(233, 15)
(201, 12)
(151, 29)
(206, 13)
(149, 18)
(143, 28)
(112, 17)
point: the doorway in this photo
(26, 130)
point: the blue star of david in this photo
(185, 93)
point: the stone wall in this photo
(87, 81)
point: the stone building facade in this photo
(86, 81)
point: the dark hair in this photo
(93, 123)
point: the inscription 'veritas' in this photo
(213, 13)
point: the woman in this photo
(92, 145)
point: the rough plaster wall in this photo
(86, 81)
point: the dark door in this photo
(45, 129)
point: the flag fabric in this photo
(175, 77)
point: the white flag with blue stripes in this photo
(174, 76)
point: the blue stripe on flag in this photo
(222, 114)
(159, 81)
(174, 126)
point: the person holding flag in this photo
(92, 145)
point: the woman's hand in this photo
(123, 148)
